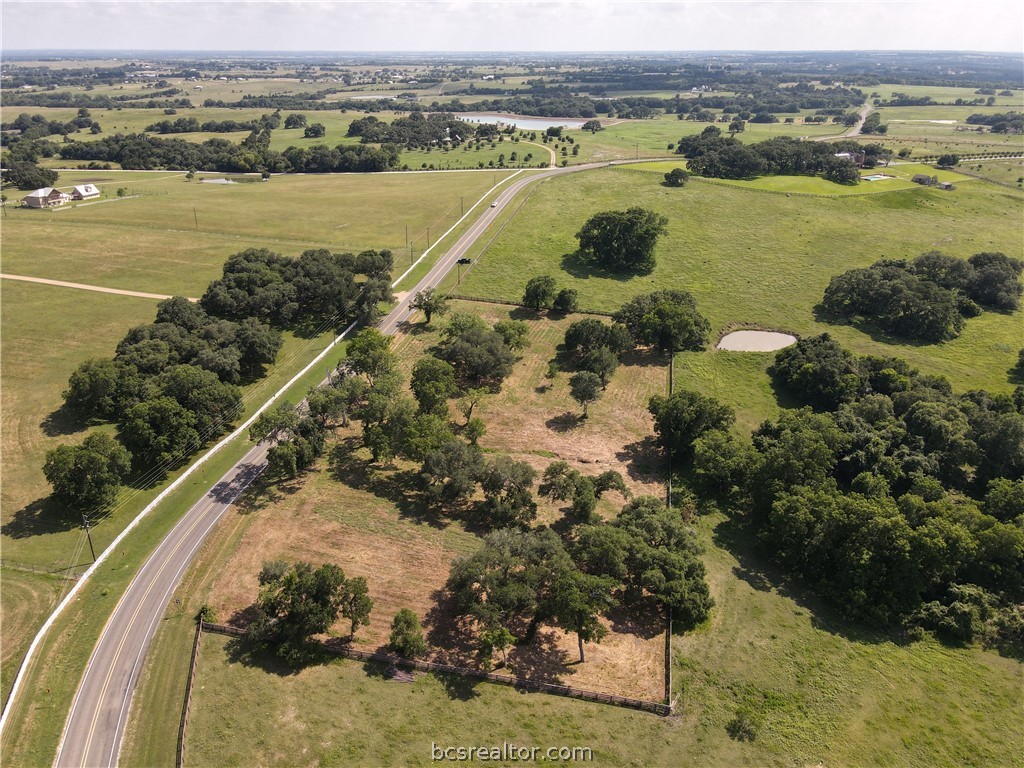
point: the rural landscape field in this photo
(640, 409)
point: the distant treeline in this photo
(151, 100)
(1003, 122)
(141, 152)
(32, 127)
(191, 125)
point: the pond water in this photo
(218, 181)
(520, 121)
(755, 341)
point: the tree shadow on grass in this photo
(735, 536)
(402, 488)
(564, 422)
(451, 636)
(241, 651)
(40, 517)
(644, 620)
(542, 660)
(643, 460)
(63, 421)
(582, 268)
(869, 329)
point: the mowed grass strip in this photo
(750, 257)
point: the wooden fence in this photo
(179, 760)
(481, 300)
(657, 708)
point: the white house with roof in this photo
(47, 197)
(85, 192)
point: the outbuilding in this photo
(922, 178)
(47, 197)
(85, 192)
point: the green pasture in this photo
(753, 257)
(175, 235)
(825, 693)
(941, 93)
(650, 138)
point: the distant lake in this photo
(520, 121)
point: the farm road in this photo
(84, 287)
(95, 726)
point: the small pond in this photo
(755, 341)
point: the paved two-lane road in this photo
(99, 713)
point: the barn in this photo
(85, 192)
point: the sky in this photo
(512, 25)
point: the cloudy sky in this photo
(513, 25)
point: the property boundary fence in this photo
(654, 707)
(179, 759)
(481, 300)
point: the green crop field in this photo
(720, 248)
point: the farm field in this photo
(138, 253)
(151, 242)
(718, 249)
(650, 138)
(942, 93)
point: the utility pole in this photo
(196, 216)
(428, 237)
(462, 205)
(85, 524)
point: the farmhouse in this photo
(856, 157)
(922, 178)
(85, 192)
(47, 197)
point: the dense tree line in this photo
(192, 125)
(172, 384)
(147, 100)
(724, 157)
(143, 152)
(927, 298)
(25, 174)
(1003, 122)
(900, 502)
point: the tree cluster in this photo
(413, 131)
(900, 503)
(542, 292)
(296, 602)
(724, 157)
(316, 287)
(144, 152)
(524, 578)
(622, 241)
(927, 298)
